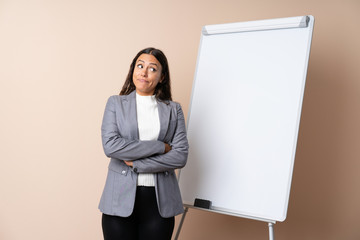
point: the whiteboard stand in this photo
(271, 231)
(270, 224)
(181, 223)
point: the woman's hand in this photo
(167, 148)
(129, 163)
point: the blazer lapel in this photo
(164, 116)
(130, 107)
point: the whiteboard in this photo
(244, 116)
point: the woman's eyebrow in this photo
(139, 60)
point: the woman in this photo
(143, 132)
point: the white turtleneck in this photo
(149, 128)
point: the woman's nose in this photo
(143, 72)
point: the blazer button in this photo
(123, 172)
(166, 173)
(135, 170)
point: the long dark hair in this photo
(163, 90)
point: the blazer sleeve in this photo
(175, 158)
(115, 146)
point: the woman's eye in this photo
(153, 69)
(140, 66)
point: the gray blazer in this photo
(120, 140)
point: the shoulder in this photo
(121, 98)
(171, 104)
(117, 97)
(114, 99)
(174, 104)
(116, 102)
(176, 108)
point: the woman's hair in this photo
(163, 90)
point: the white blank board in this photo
(244, 119)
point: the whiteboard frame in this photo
(262, 25)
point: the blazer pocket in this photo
(118, 166)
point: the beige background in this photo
(61, 59)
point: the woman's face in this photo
(147, 74)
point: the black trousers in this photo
(145, 223)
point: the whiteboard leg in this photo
(271, 231)
(181, 223)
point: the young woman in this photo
(143, 132)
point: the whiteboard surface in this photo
(244, 119)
